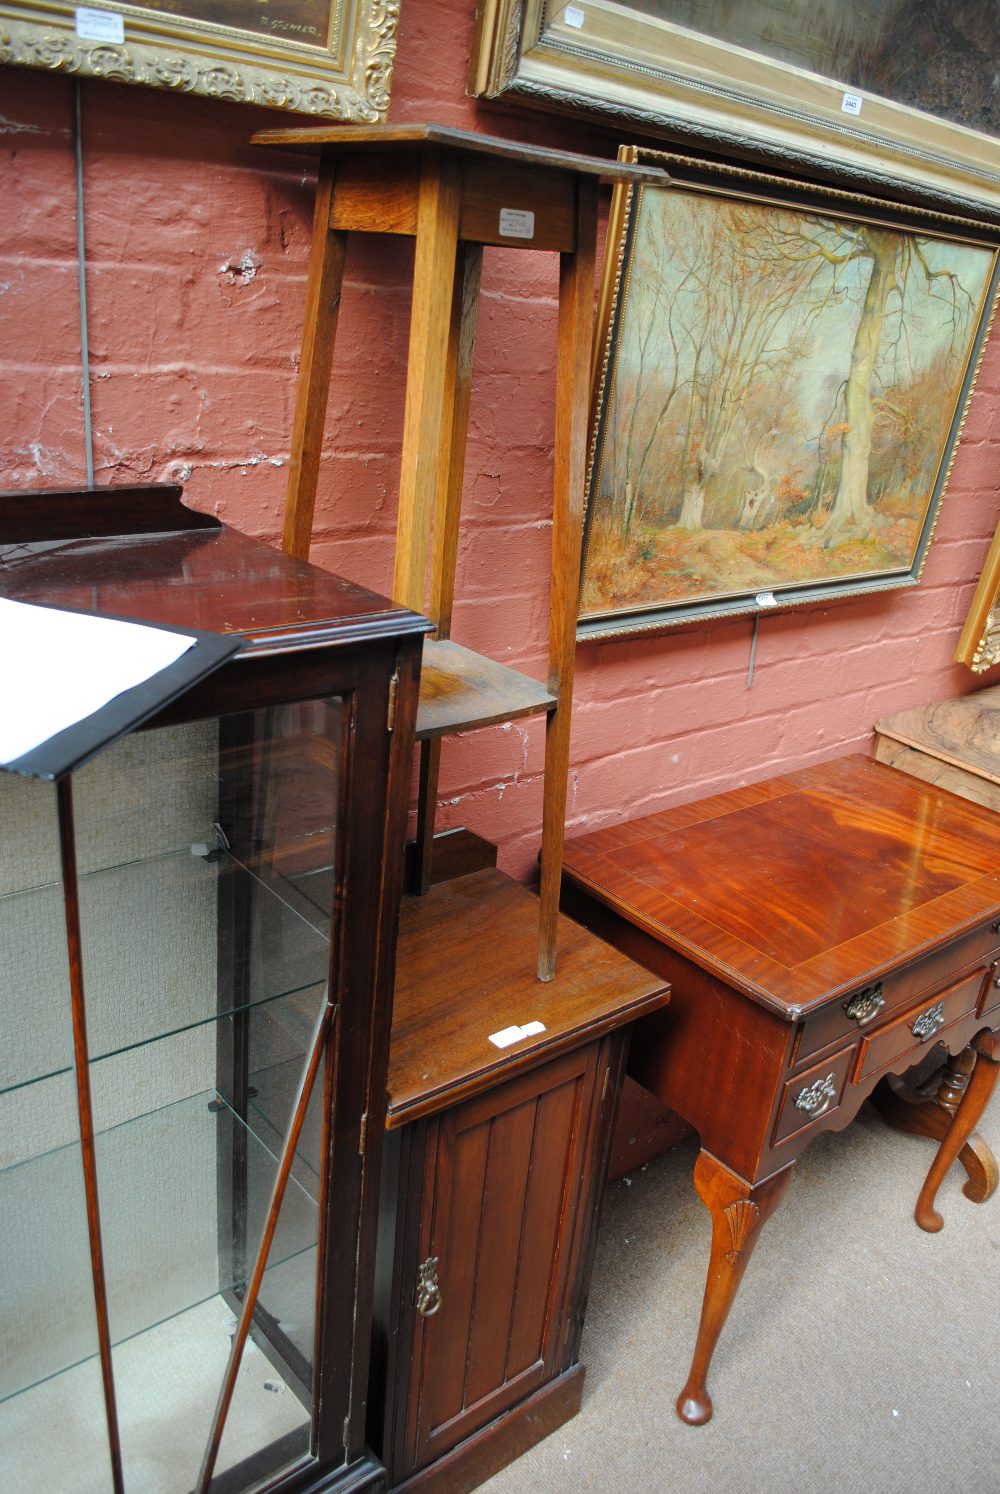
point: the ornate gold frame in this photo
(979, 642)
(345, 74)
(607, 59)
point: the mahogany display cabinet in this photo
(186, 1290)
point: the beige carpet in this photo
(861, 1354)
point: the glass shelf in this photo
(157, 1177)
(158, 952)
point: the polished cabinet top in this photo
(805, 885)
(466, 969)
(183, 569)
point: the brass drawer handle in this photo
(864, 1006)
(428, 1290)
(929, 1022)
(817, 1097)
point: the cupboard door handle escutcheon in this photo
(428, 1290)
(929, 1022)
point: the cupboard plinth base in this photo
(483, 1454)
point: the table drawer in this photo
(903, 1040)
(810, 1096)
(871, 1006)
(991, 992)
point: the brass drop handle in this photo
(817, 1097)
(864, 1006)
(428, 1290)
(929, 1022)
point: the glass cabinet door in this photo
(209, 862)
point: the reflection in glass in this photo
(206, 960)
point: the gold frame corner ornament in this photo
(346, 78)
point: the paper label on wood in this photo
(517, 223)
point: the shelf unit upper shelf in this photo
(455, 192)
(461, 690)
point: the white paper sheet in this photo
(57, 668)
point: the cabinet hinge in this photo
(393, 692)
(347, 1434)
(363, 1136)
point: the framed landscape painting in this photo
(782, 379)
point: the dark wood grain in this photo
(444, 1012)
(90, 513)
(454, 853)
(218, 580)
(492, 1447)
(503, 1189)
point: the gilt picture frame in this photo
(809, 84)
(781, 379)
(979, 641)
(327, 58)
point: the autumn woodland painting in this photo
(782, 387)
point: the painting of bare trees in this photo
(782, 389)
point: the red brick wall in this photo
(196, 250)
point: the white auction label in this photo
(517, 223)
(574, 16)
(100, 25)
(766, 599)
(508, 1035)
(851, 103)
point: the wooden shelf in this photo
(444, 1009)
(460, 690)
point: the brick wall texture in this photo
(196, 248)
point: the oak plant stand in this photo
(455, 192)
(821, 931)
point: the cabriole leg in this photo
(738, 1212)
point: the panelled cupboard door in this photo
(503, 1179)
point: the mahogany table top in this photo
(801, 886)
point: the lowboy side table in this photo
(820, 931)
